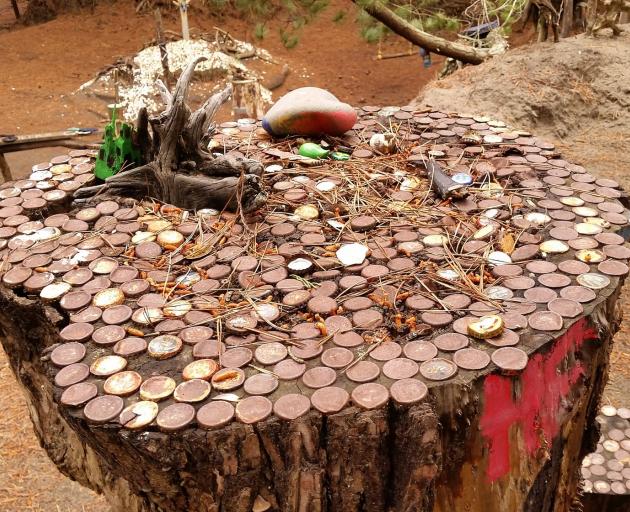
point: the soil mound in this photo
(576, 92)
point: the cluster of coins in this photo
(355, 284)
(607, 471)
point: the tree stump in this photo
(356, 344)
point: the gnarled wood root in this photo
(180, 170)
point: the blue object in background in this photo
(426, 56)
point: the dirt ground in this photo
(42, 66)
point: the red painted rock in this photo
(309, 111)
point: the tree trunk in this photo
(484, 443)
(180, 170)
(435, 44)
(567, 18)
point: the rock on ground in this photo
(576, 92)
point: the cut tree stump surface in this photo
(317, 354)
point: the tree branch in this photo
(432, 43)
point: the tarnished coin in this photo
(438, 369)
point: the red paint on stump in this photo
(537, 410)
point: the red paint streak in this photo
(544, 385)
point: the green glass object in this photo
(116, 151)
(312, 150)
(338, 155)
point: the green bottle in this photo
(312, 150)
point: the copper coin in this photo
(546, 321)
(461, 324)
(386, 351)
(77, 332)
(514, 320)
(164, 346)
(337, 323)
(68, 353)
(89, 314)
(613, 268)
(540, 294)
(367, 319)
(337, 357)
(157, 388)
(236, 357)
(228, 379)
(438, 369)
(554, 280)
(117, 314)
(419, 303)
(175, 417)
(130, 347)
(195, 334)
(420, 350)
(578, 293)
(507, 271)
(270, 353)
(72, 374)
(16, 276)
(408, 391)
(400, 368)
(505, 339)
(363, 371)
(353, 282)
(541, 267)
(108, 335)
(296, 298)
(510, 358)
(253, 409)
(291, 406)
(192, 391)
(330, 400)
(583, 243)
(519, 283)
(471, 359)
(78, 394)
(200, 369)
(609, 239)
(326, 288)
(261, 384)
(215, 414)
(437, 318)
(135, 287)
(289, 369)
(450, 341)
(618, 252)
(370, 396)
(573, 267)
(207, 349)
(357, 303)
(103, 409)
(457, 301)
(122, 383)
(565, 307)
(322, 305)
(524, 252)
(319, 377)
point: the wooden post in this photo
(567, 18)
(183, 13)
(16, 9)
(5, 169)
(246, 98)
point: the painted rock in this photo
(309, 111)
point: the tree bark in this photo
(439, 455)
(430, 42)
